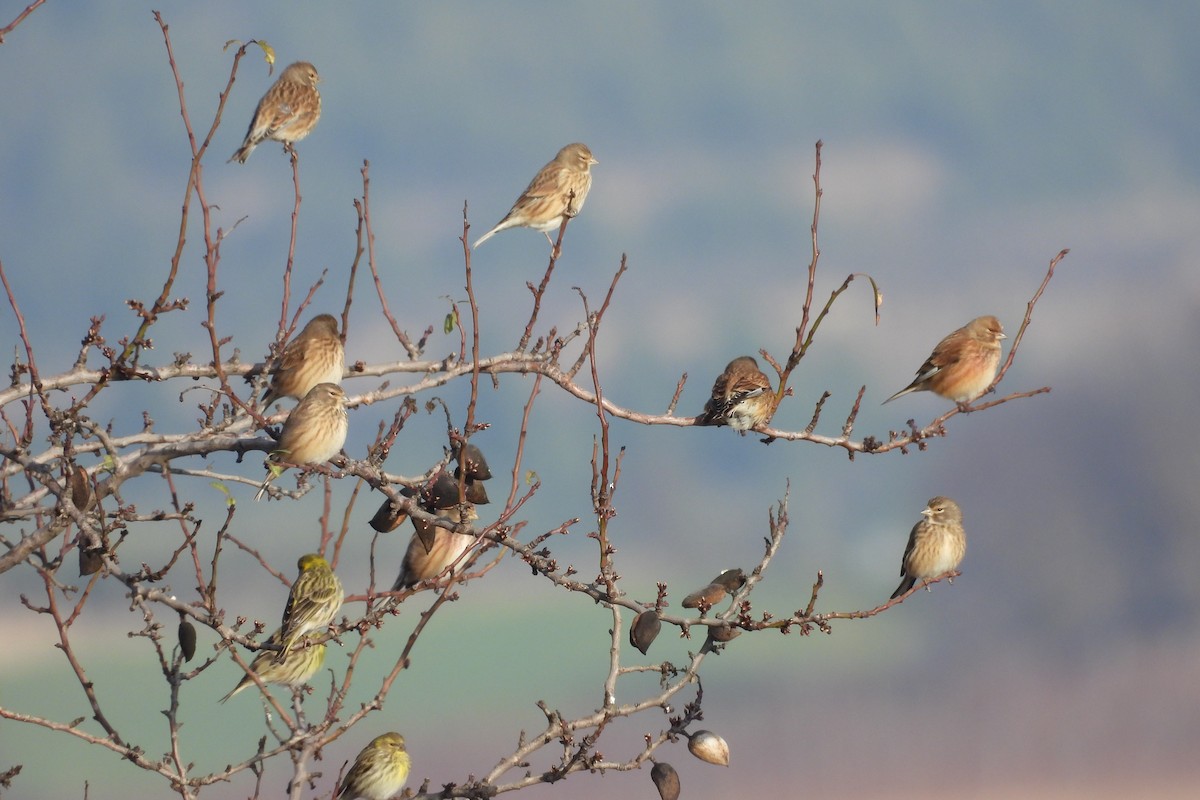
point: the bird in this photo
(963, 365)
(742, 397)
(444, 547)
(313, 433)
(313, 603)
(936, 544)
(379, 771)
(548, 197)
(294, 669)
(287, 112)
(315, 356)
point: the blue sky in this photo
(965, 145)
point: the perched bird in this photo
(314, 601)
(315, 356)
(936, 544)
(295, 669)
(379, 771)
(548, 197)
(742, 397)
(444, 547)
(313, 433)
(963, 365)
(287, 112)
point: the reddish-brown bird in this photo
(936, 544)
(287, 112)
(558, 190)
(313, 433)
(742, 397)
(315, 356)
(963, 365)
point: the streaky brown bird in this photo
(313, 433)
(315, 356)
(558, 190)
(286, 113)
(936, 544)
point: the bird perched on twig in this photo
(380, 770)
(314, 602)
(558, 190)
(963, 365)
(286, 113)
(936, 544)
(313, 433)
(315, 356)
(294, 669)
(444, 547)
(742, 397)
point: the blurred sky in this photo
(965, 145)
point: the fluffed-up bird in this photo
(313, 433)
(315, 356)
(963, 365)
(558, 190)
(314, 602)
(287, 112)
(936, 544)
(742, 397)
(379, 771)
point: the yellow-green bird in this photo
(294, 669)
(379, 770)
(314, 602)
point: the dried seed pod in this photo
(645, 627)
(81, 488)
(707, 746)
(717, 590)
(91, 558)
(666, 780)
(476, 493)
(711, 594)
(388, 517)
(731, 579)
(476, 465)
(723, 633)
(440, 493)
(187, 639)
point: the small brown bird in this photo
(287, 112)
(742, 397)
(315, 356)
(548, 197)
(963, 365)
(420, 563)
(936, 544)
(313, 433)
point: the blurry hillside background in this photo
(964, 147)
